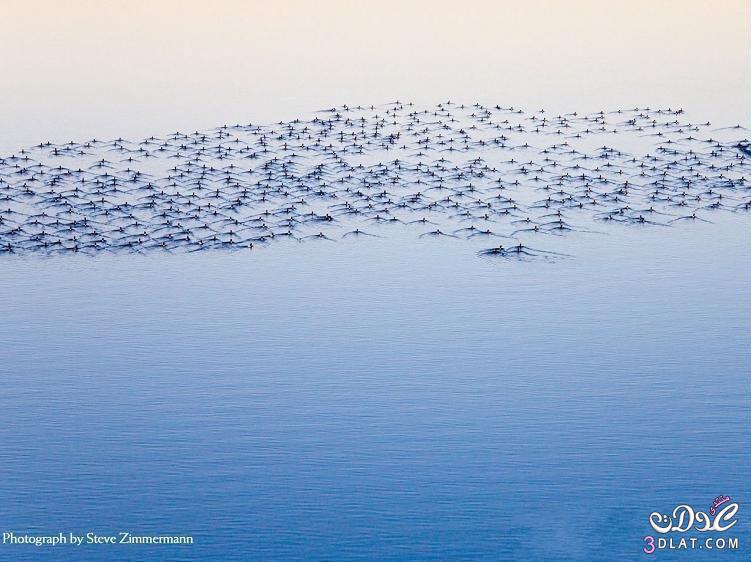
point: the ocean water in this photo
(378, 399)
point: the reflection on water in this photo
(375, 399)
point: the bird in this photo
(363, 171)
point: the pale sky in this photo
(79, 69)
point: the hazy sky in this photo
(79, 69)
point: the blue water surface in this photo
(385, 399)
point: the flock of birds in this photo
(495, 173)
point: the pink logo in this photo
(684, 518)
